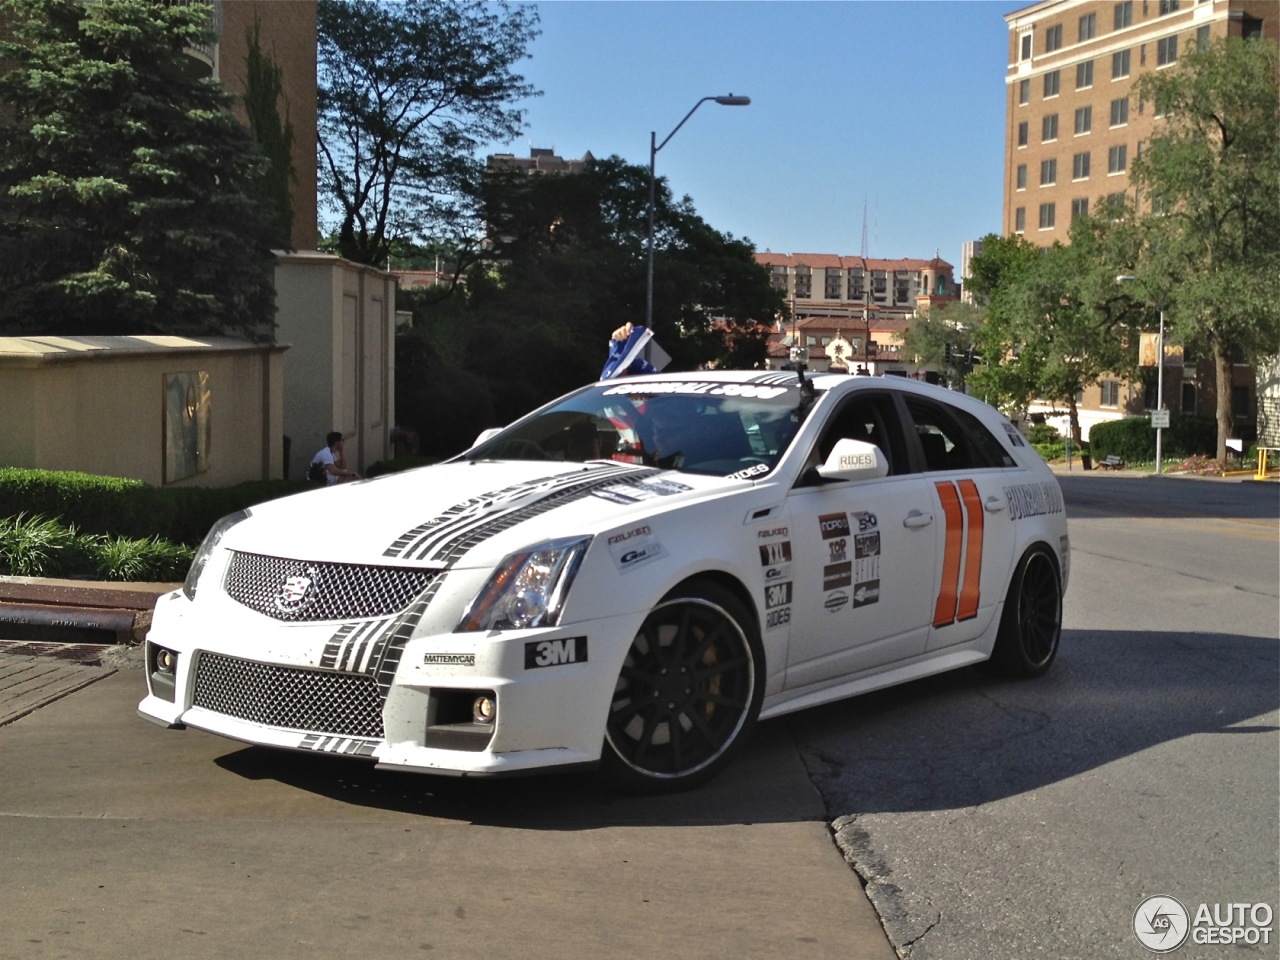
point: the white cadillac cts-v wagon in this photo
(630, 576)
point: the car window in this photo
(870, 418)
(953, 439)
(722, 429)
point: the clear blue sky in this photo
(900, 104)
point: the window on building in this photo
(1166, 51)
(1119, 64)
(1119, 111)
(1048, 172)
(1124, 14)
(1049, 128)
(1022, 176)
(1118, 159)
(1022, 134)
(1168, 6)
(1088, 26)
(1084, 74)
(1202, 39)
(1048, 214)
(1110, 393)
(1084, 120)
(1024, 92)
(1080, 166)
(832, 287)
(1052, 79)
(1053, 38)
(1079, 207)
(1024, 51)
(1020, 220)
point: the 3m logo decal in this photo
(962, 552)
(553, 653)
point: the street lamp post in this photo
(725, 101)
(1126, 278)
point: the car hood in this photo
(464, 513)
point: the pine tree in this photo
(126, 184)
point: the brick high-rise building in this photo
(1073, 124)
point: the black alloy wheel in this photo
(1031, 624)
(688, 693)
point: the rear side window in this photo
(953, 439)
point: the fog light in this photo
(483, 709)
(166, 661)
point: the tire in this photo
(688, 694)
(1031, 624)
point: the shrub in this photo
(1133, 440)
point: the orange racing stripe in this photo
(968, 607)
(944, 612)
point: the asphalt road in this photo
(1030, 819)
(988, 818)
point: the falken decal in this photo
(444, 539)
(631, 548)
(554, 653)
(1033, 499)
(833, 525)
(962, 552)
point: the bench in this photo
(1111, 462)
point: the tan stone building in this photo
(1074, 125)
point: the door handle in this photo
(916, 519)
(995, 504)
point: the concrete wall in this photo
(338, 319)
(98, 404)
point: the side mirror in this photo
(854, 460)
(487, 435)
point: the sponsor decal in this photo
(633, 547)
(748, 472)
(775, 553)
(856, 461)
(777, 603)
(554, 653)
(962, 552)
(865, 519)
(771, 532)
(836, 601)
(449, 659)
(639, 490)
(698, 388)
(833, 525)
(865, 593)
(1033, 499)
(837, 575)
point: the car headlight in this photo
(211, 540)
(528, 589)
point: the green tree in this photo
(264, 89)
(1056, 321)
(408, 92)
(564, 266)
(944, 338)
(127, 185)
(1211, 169)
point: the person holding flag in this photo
(627, 348)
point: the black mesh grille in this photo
(292, 698)
(299, 590)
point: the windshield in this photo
(696, 426)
